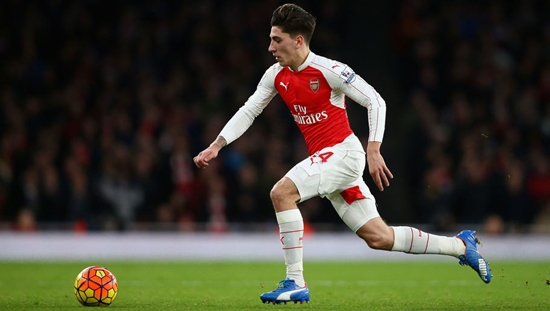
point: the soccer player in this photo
(314, 89)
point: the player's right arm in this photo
(243, 118)
(201, 160)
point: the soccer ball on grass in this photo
(95, 286)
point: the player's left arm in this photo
(378, 170)
(357, 89)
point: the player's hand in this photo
(378, 170)
(201, 160)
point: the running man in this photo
(314, 89)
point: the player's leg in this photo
(410, 240)
(414, 241)
(300, 184)
(362, 217)
(284, 197)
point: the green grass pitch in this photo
(336, 286)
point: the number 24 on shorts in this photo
(321, 157)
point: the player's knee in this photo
(283, 194)
(278, 194)
(275, 194)
(377, 241)
(382, 239)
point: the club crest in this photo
(314, 85)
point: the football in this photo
(95, 286)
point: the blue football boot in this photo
(286, 291)
(472, 257)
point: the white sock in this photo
(414, 241)
(291, 231)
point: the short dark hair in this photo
(294, 20)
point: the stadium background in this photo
(104, 104)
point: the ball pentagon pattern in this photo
(95, 286)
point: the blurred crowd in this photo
(477, 76)
(103, 106)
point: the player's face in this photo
(282, 46)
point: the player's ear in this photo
(299, 41)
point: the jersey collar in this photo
(308, 61)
